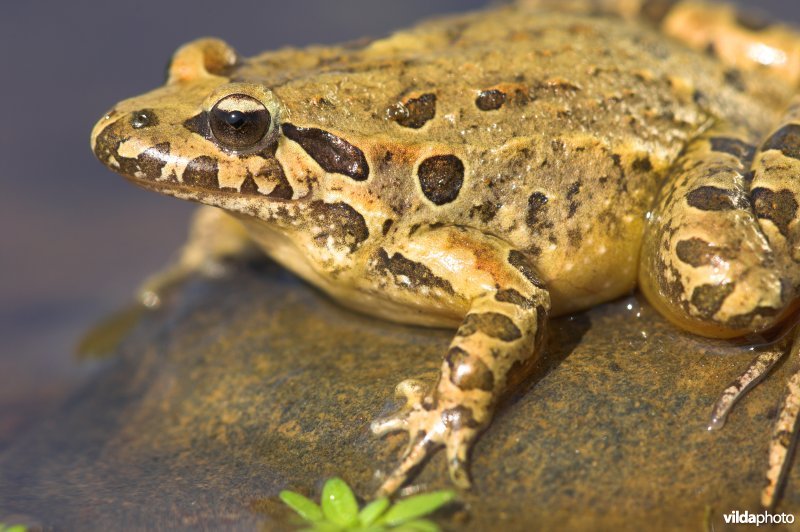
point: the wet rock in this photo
(244, 386)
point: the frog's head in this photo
(205, 138)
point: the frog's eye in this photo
(239, 121)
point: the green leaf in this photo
(308, 509)
(13, 528)
(338, 502)
(418, 525)
(416, 506)
(372, 511)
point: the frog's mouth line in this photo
(229, 198)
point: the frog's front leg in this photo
(214, 237)
(498, 339)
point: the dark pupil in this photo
(242, 126)
(236, 119)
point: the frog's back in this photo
(561, 125)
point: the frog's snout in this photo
(114, 143)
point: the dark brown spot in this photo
(441, 177)
(147, 165)
(387, 224)
(642, 164)
(745, 321)
(510, 295)
(697, 252)
(490, 100)
(249, 185)
(152, 160)
(201, 172)
(459, 417)
(485, 211)
(273, 172)
(784, 438)
(537, 205)
(575, 237)
(491, 324)
(541, 321)
(739, 149)
(526, 267)
(780, 207)
(734, 78)
(655, 10)
(468, 372)
(710, 198)
(708, 298)
(786, 140)
(410, 274)
(198, 124)
(338, 221)
(332, 153)
(414, 112)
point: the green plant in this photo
(339, 510)
(13, 528)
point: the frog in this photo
(489, 171)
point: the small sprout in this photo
(308, 509)
(13, 528)
(339, 510)
(371, 512)
(338, 503)
(409, 509)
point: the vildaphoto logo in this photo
(762, 518)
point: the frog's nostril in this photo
(143, 118)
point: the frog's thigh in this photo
(736, 37)
(706, 263)
(213, 237)
(497, 341)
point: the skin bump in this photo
(441, 177)
(459, 417)
(490, 100)
(468, 372)
(537, 205)
(414, 112)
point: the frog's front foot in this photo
(431, 422)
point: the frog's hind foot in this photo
(784, 434)
(755, 373)
(430, 425)
(784, 437)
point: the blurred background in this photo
(75, 239)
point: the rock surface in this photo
(247, 385)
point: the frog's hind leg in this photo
(739, 38)
(784, 435)
(721, 256)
